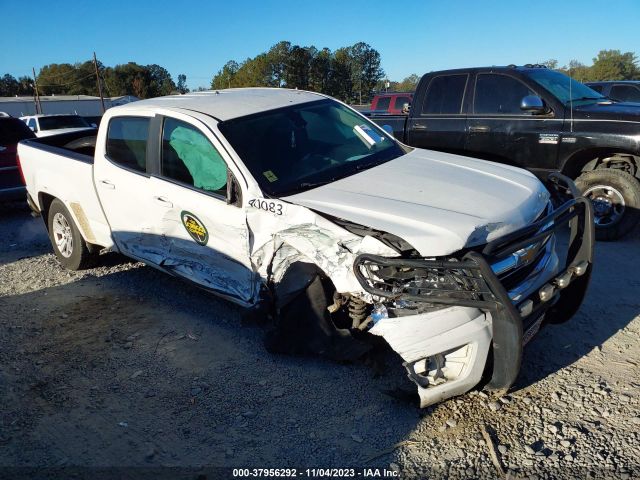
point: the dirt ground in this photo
(125, 367)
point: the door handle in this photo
(163, 201)
(479, 128)
(107, 184)
(419, 126)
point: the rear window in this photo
(383, 103)
(625, 93)
(597, 88)
(445, 94)
(12, 130)
(62, 121)
(127, 142)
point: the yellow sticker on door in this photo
(195, 228)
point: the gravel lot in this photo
(125, 366)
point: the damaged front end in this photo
(444, 315)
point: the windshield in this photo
(558, 84)
(62, 121)
(296, 148)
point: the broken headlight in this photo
(423, 284)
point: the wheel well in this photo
(592, 159)
(45, 200)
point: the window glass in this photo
(400, 101)
(563, 87)
(499, 94)
(597, 88)
(383, 103)
(63, 121)
(189, 157)
(300, 147)
(127, 142)
(32, 124)
(444, 95)
(625, 93)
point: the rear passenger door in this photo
(200, 227)
(436, 119)
(500, 131)
(123, 184)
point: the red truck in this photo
(12, 130)
(391, 103)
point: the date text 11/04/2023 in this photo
(315, 473)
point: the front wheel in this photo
(615, 196)
(69, 246)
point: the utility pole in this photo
(95, 64)
(35, 85)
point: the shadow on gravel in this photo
(21, 235)
(611, 303)
(136, 368)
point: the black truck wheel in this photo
(615, 196)
(69, 246)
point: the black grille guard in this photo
(485, 291)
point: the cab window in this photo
(127, 142)
(189, 157)
(499, 94)
(383, 103)
(625, 93)
(444, 95)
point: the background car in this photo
(45, 125)
(621, 90)
(12, 130)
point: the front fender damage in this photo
(303, 262)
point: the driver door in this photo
(202, 236)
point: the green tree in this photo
(615, 65)
(320, 71)
(551, 64)
(161, 82)
(365, 70)
(277, 57)
(9, 86)
(182, 83)
(225, 78)
(409, 83)
(296, 71)
(340, 79)
(255, 72)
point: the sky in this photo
(198, 37)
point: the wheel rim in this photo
(608, 204)
(62, 235)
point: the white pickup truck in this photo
(294, 204)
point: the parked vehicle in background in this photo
(394, 103)
(12, 130)
(538, 119)
(620, 90)
(45, 125)
(292, 203)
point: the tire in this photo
(69, 246)
(615, 196)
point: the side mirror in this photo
(532, 104)
(405, 108)
(388, 129)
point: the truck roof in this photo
(228, 103)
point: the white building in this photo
(84, 105)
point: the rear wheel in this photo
(69, 246)
(615, 196)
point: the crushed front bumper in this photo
(509, 321)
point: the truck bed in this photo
(59, 167)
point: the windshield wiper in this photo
(584, 98)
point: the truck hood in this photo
(627, 111)
(439, 203)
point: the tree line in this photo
(348, 73)
(143, 81)
(352, 74)
(607, 65)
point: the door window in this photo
(597, 88)
(32, 124)
(127, 142)
(400, 101)
(189, 157)
(383, 103)
(499, 94)
(625, 93)
(444, 95)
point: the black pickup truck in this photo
(538, 119)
